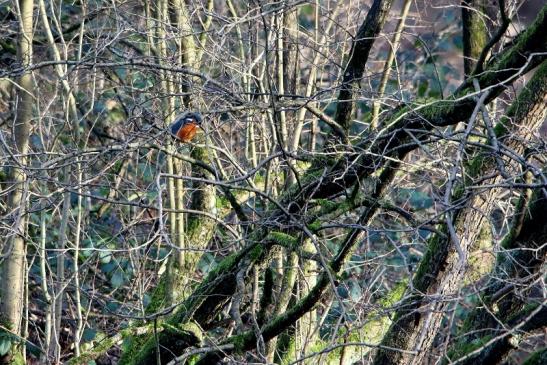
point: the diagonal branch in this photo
(360, 50)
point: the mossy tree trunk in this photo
(522, 253)
(475, 32)
(191, 237)
(443, 269)
(503, 319)
(13, 270)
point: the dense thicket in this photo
(368, 186)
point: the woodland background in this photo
(369, 186)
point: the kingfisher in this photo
(186, 126)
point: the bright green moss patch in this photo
(436, 251)
(190, 331)
(315, 225)
(394, 294)
(282, 239)
(327, 205)
(240, 342)
(256, 253)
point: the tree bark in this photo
(358, 56)
(522, 254)
(475, 32)
(13, 268)
(441, 271)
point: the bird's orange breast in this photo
(187, 132)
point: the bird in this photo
(186, 125)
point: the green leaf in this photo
(206, 263)
(112, 306)
(89, 334)
(5, 345)
(417, 199)
(355, 291)
(146, 300)
(420, 200)
(117, 279)
(109, 267)
(105, 256)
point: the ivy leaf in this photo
(89, 334)
(105, 256)
(5, 345)
(117, 279)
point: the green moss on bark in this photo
(537, 358)
(283, 239)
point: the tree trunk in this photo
(442, 270)
(475, 32)
(13, 266)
